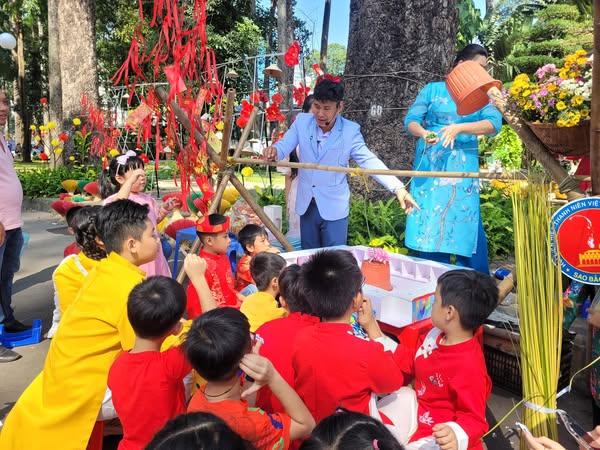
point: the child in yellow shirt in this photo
(60, 407)
(73, 270)
(262, 306)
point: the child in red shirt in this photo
(254, 239)
(279, 335)
(218, 344)
(332, 367)
(450, 377)
(147, 384)
(212, 231)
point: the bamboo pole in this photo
(595, 120)
(228, 126)
(392, 172)
(531, 142)
(215, 157)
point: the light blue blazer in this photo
(329, 189)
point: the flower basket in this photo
(566, 141)
(377, 274)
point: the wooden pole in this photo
(325, 36)
(531, 142)
(595, 119)
(215, 157)
(228, 125)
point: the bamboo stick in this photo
(228, 126)
(392, 172)
(595, 119)
(214, 156)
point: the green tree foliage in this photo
(469, 23)
(521, 35)
(336, 59)
(559, 30)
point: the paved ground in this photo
(33, 299)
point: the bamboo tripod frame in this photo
(532, 143)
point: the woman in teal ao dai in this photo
(449, 221)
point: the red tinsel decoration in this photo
(300, 94)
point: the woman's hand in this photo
(449, 134)
(406, 201)
(430, 137)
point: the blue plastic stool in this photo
(29, 337)
(185, 234)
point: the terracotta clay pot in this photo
(468, 84)
(566, 141)
(377, 274)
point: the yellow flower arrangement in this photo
(55, 142)
(51, 125)
(113, 152)
(76, 121)
(32, 127)
(559, 95)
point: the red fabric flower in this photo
(258, 97)
(43, 156)
(318, 70)
(241, 122)
(43, 100)
(274, 113)
(244, 114)
(329, 77)
(63, 136)
(300, 94)
(291, 55)
(277, 98)
(144, 158)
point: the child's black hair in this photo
(331, 279)
(248, 235)
(198, 431)
(120, 220)
(348, 430)
(86, 235)
(291, 290)
(472, 293)
(108, 178)
(264, 267)
(328, 90)
(71, 216)
(216, 343)
(213, 219)
(155, 306)
(307, 104)
(469, 52)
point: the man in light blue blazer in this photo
(325, 137)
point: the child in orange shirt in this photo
(213, 231)
(218, 344)
(254, 239)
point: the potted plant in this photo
(556, 104)
(376, 269)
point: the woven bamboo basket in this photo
(566, 141)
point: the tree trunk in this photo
(490, 5)
(285, 35)
(22, 134)
(78, 62)
(54, 82)
(394, 48)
